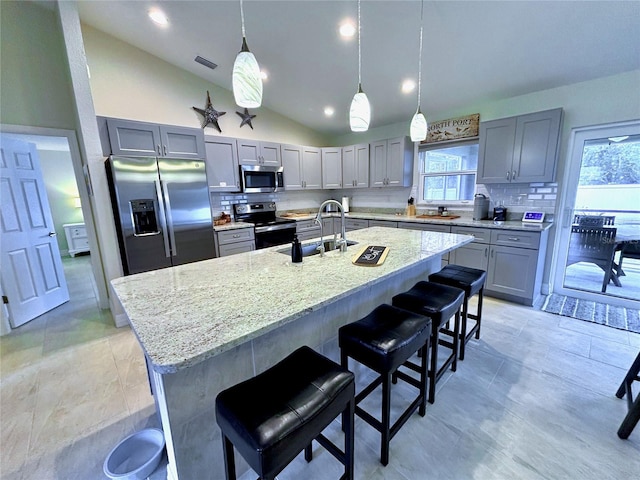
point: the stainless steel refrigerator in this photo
(162, 211)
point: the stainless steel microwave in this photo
(261, 179)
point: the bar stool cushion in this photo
(471, 280)
(270, 418)
(385, 338)
(438, 302)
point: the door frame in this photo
(566, 205)
(80, 171)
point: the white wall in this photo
(127, 82)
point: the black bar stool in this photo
(383, 341)
(633, 415)
(471, 280)
(273, 416)
(440, 303)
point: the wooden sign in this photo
(453, 129)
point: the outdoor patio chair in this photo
(628, 250)
(594, 245)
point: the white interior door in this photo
(31, 265)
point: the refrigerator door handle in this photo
(167, 202)
(163, 220)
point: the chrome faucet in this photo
(343, 240)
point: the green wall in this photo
(34, 85)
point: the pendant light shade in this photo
(360, 112)
(418, 128)
(246, 78)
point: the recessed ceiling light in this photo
(263, 74)
(347, 29)
(159, 17)
(329, 111)
(408, 86)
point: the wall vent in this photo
(205, 62)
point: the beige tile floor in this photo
(534, 399)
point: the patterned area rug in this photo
(616, 317)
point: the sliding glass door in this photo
(599, 231)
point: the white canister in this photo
(345, 204)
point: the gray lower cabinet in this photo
(520, 149)
(222, 164)
(230, 242)
(513, 260)
(307, 229)
(355, 224)
(129, 137)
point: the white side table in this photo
(77, 240)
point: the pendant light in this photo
(360, 112)
(246, 78)
(418, 128)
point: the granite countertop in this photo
(463, 221)
(183, 315)
(232, 226)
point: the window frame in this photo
(447, 173)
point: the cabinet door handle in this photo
(508, 175)
(164, 149)
(514, 239)
(486, 251)
(492, 253)
(513, 175)
(158, 149)
(354, 183)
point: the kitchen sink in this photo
(310, 249)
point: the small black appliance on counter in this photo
(500, 214)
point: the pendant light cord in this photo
(359, 54)
(420, 55)
(242, 19)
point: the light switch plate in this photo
(535, 217)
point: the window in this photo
(448, 173)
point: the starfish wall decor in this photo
(246, 118)
(210, 114)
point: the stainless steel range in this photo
(269, 229)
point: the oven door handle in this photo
(273, 228)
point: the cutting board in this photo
(438, 217)
(371, 256)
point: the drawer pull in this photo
(514, 239)
(236, 235)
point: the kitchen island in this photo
(208, 325)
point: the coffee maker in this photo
(480, 207)
(500, 214)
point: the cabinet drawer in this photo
(356, 223)
(482, 235)
(515, 238)
(78, 232)
(304, 226)
(81, 243)
(234, 236)
(426, 227)
(383, 223)
(239, 247)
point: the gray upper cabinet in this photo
(302, 167)
(222, 164)
(251, 152)
(128, 137)
(331, 167)
(355, 166)
(520, 149)
(392, 162)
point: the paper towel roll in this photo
(345, 204)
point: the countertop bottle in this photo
(296, 250)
